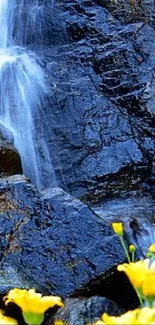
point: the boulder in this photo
(83, 311)
(58, 245)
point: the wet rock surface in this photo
(84, 311)
(99, 121)
(57, 244)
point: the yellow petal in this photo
(30, 301)
(5, 320)
(152, 248)
(133, 317)
(59, 322)
(148, 287)
(137, 272)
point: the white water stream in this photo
(23, 88)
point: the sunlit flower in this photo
(5, 320)
(137, 317)
(152, 248)
(138, 272)
(132, 248)
(148, 288)
(33, 305)
(118, 228)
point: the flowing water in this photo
(137, 216)
(23, 88)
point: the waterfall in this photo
(23, 88)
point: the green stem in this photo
(129, 261)
(125, 249)
(140, 299)
(133, 257)
(150, 304)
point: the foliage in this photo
(140, 273)
(142, 277)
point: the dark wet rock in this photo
(83, 311)
(99, 119)
(10, 277)
(129, 11)
(10, 163)
(43, 18)
(57, 244)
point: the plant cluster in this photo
(142, 277)
(141, 274)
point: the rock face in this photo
(99, 120)
(99, 61)
(57, 244)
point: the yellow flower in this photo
(5, 320)
(118, 228)
(33, 305)
(148, 288)
(152, 248)
(59, 322)
(137, 272)
(132, 248)
(30, 301)
(137, 317)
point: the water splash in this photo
(23, 88)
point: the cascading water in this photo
(137, 216)
(22, 89)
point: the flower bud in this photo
(118, 228)
(132, 248)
